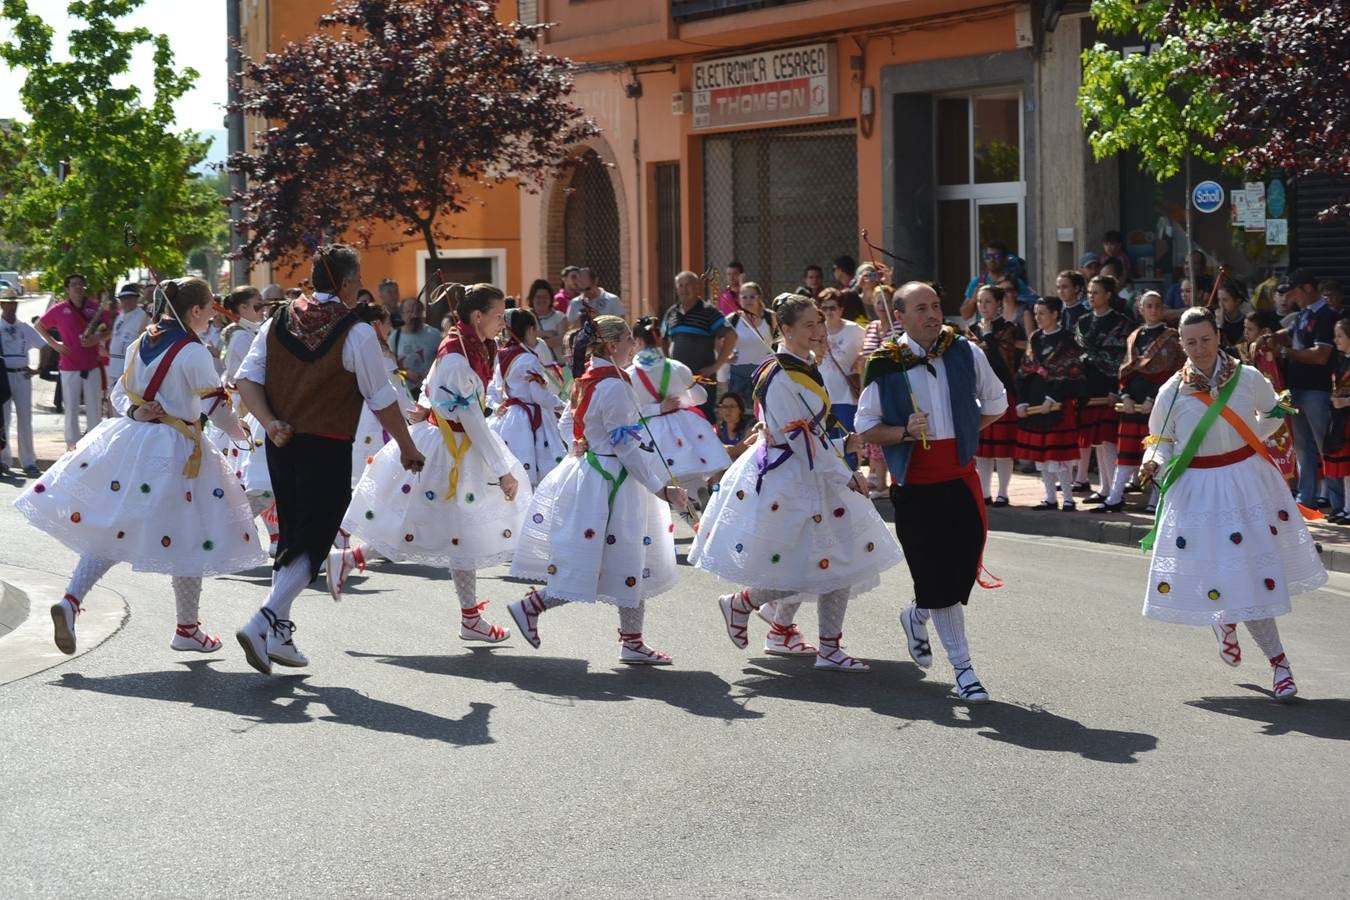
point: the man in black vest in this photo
(305, 377)
(927, 396)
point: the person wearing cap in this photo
(81, 363)
(998, 265)
(16, 339)
(1089, 266)
(130, 322)
(1307, 350)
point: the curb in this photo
(28, 648)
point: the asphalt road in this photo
(1120, 757)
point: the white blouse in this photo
(1253, 399)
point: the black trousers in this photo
(312, 485)
(942, 532)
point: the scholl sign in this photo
(1207, 196)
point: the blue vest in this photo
(896, 408)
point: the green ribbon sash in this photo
(1177, 464)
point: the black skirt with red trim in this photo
(1051, 437)
(999, 440)
(1130, 439)
(1336, 463)
(1097, 425)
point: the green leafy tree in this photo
(1155, 103)
(96, 156)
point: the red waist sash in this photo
(1222, 459)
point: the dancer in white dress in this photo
(463, 512)
(596, 530)
(1230, 544)
(370, 434)
(140, 489)
(669, 399)
(527, 413)
(790, 520)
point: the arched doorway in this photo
(591, 222)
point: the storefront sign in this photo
(1207, 196)
(772, 86)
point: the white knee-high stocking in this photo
(1048, 477)
(287, 583)
(950, 622)
(1267, 636)
(87, 571)
(785, 613)
(830, 613)
(1004, 476)
(985, 468)
(631, 618)
(1123, 476)
(187, 595)
(1106, 465)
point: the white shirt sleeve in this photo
(868, 414)
(617, 410)
(989, 390)
(31, 339)
(1162, 424)
(1265, 400)
(254, 366)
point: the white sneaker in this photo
(473, 627)
(281, 647)
(786, 640)
(253, 638)
(63, 621)
(633, 651)
(832, 656)
(968, 688)
(916, 638)
(192, 637)
(341, 564)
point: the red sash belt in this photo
(533, 410)
(1222, 459)
(940, 463)
(454, 426)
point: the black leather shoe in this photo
(1110, 507)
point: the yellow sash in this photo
(457, 450)
(190, 430)
(806, 381)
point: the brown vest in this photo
(306, 385)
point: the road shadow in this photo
(699, 693)
(898, 690)
(286, 700)
(1323, 718)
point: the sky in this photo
(198, 40)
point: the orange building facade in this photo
(487, 241)
(773, 133)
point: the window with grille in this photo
(780, 199)
(591, 223)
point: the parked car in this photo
(11, 279)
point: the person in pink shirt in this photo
(571, 286)
(81, 364)
(729, 301)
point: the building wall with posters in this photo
(486, 244)
(736, 130)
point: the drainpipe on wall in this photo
(234, 123)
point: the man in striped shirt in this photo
(698, 335)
